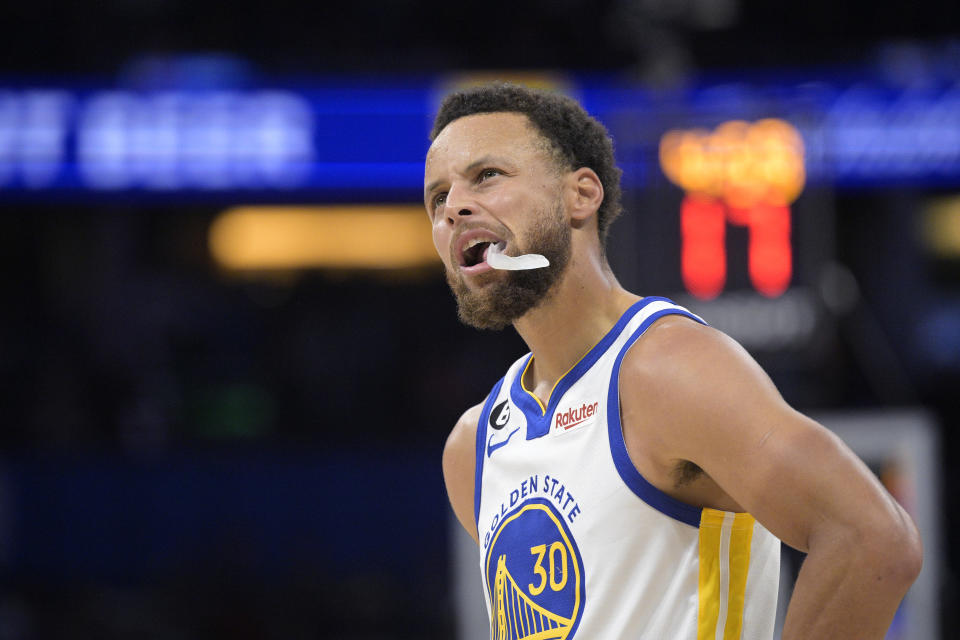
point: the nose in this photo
(457, 205)
(452, 218)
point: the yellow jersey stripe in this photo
(708, 590)
(741, 536)
(523, 375)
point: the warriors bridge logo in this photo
(534, 575)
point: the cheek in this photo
(507, 201)
(441, 241)
(509, 210)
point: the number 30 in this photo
(540, 551)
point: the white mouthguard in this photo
(503, 262)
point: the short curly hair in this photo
(574, 137)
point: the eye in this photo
(439, 199)
(488, 173)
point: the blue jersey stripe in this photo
(628, 472)
(538, 422)
(480, 448)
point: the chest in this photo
(557, 459)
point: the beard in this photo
(513, 293)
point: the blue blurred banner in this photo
(271, 515)
(351, 141)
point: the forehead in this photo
(475, 136)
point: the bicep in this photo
(713, 405)
(459, 464)
(795, 477)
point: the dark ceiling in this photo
(651, 37)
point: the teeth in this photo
(472, 243)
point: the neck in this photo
(578, 312)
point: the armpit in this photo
(685, 472)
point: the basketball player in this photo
(633, 476)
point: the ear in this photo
(586, 193)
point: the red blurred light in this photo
(769, 253)
(704, 256)
(704, 253)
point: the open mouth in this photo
(474, 251)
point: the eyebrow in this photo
(487, 159)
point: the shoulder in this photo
(681, 381)
(692, 393)
(459, 466)
(678, 356)
(461, 442)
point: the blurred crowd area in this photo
(121, 333)
(188, 452)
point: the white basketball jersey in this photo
(574, 542)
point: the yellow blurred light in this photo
(739, 162)
(337, 237)
(941, 227)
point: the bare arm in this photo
(693, 394)
(459, 466)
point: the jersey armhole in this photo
(480, 448)
(631, 477)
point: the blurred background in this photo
(228, 358)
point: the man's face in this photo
(489, 179)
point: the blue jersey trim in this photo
(538, 422)
(621, 459)
(480, 449)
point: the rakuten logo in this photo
(570, 418)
